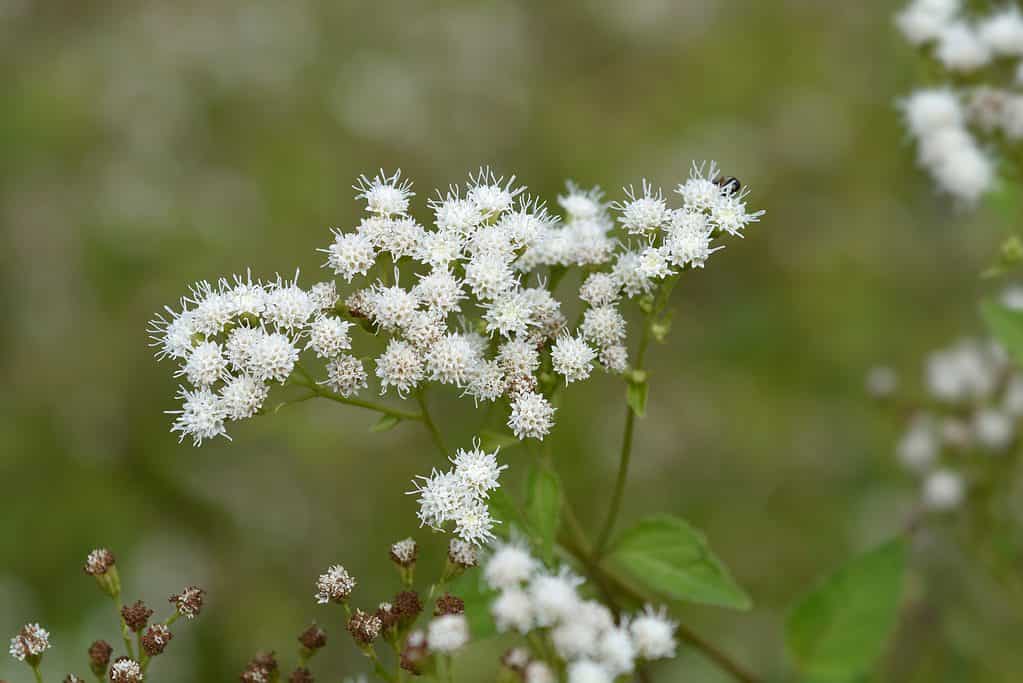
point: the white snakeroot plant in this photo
(470, 301)
(967, 126)
(505, 302)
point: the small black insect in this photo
(728, 185)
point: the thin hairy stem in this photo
(626, 453)
(125, 635)
(318, 390)
(431, 426)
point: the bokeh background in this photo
(145, 145)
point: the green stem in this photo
(38, 674)
(431, 426)
(626, 453)
(125, 636)
(318, 390)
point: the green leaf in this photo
(543, 508)
(491, 440)
(385, 423)
(669, 557)
(635, 396)
(1006, 325)
(837, 631)
(477, 597)
(503, 508)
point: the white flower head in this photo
(473, 522)
(554, 596)
(324, 295)
(1002, 31)
(510, 314)
(700, 192)
(539, 672)
(512, 610)
(335, 585)
(242, 397)
(350, 255)
(328, 336)
(399, 366)
(125, 670)
(489, 275)
(385, 195)
(653, 634)
(346, 375)
(943, 490)
(616, 651)
(440, 498)
(453, 213)
(644, 212)
(463, 553)
(994, 429)
(172, 334)
(288, 306)
(453, 359)
(201, 416)
(924, 20)
(487, 383)
(271, 357)
(574, 638)
(447, 633)
(509, 566)
(603, 326)
(600, 289)
(532, 416)
(393, 307)
(588, 671)
(919, 446)
(439, 290)
(960, 48)
(477, 470)
(205, 365)
(32, 641)
(572, 358)
(492, 195)
(582, 204)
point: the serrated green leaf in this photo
(837, 631)
(635, 396)
(478, 598)
(384, 423)
(669, 557)
(491, 440)
(543, 508)
(1006, 325)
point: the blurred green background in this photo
(145, 145)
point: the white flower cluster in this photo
(459, 495)
(945, 121)
(475, 265)
(583, 633)
(235, 338)
(32, 641)
(975, 401)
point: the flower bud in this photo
(404, 554)
(136, 616)
(313, 639)
(99, 657)
(155, 639)
(449, 604)
(100, 565)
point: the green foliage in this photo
(385, 423)
(636, 396)
(491, 440)
(1006, 325)
(838, 630)
(669, 557)
(477, 596)
(543, 508)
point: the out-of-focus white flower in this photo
(554, 596)
(509, 566)
(943, 490)
(924, 20)
(653, 634)
(1002, 31)
(616, 651)
(447, 633)
(538, 672)
(881, 381)
(588, 671)
(994, 429)
(960, 48)
(512, 611)
(919, 446)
